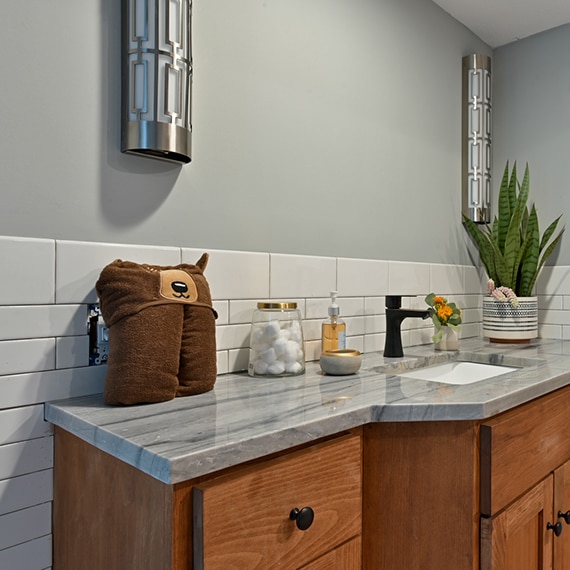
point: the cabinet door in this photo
(562, 505)
(518, 538)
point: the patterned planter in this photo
(504, 323)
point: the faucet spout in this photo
(395, 315)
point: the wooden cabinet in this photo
(109, 515)
(525, 485)
(470, 495)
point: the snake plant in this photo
(512, 249)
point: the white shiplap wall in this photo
(47, 286)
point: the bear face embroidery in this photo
(177, 285)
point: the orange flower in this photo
(444, 312)
(439, 300)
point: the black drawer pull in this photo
(557, 528)
(304, 518)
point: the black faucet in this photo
(394, 317)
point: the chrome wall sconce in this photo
(157, 79)
(476, 127)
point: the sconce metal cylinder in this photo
(157, 79)
(476, 127)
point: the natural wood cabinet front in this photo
(109, 515)
(242, 520)
(518, 538)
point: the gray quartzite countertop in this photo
(245, 418)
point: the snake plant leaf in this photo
(513, 239)
(529, 261)
(548, 233)
(504, 205)
(512, 249)
(484, 245)
(503, 275)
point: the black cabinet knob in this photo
(557, 528)
(565, 516)
(304, 518)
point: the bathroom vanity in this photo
(375, 471)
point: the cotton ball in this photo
(285, 333)
(269, 355)
(257, 334)
(291, 351)
(294, 368)
(296, 331)
(260, 367)
(272, 329)
(279, 345)
(276, 367)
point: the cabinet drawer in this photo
(242, 520)
(521, 447)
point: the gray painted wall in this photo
(531, 110)
(327, 127)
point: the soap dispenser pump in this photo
(334, 328)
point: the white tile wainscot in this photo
(43, 338)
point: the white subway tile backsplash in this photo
(312, 329)
(27, 524)
(317, 308)
(222, 362)
(550, 331)
(20, 424)
(301, 276)
(19, 356)
(39, 321)
(222, 308)
(446, 279)
(474, 281)
(238, 359)
(375, 305)
(39, 387)
(355, 342)
(406, 278)
(72, 352)
(232, 336)
(355, 325)
(374, 324)
(30, 271)
(234, 274)
(554, 280)
(32, 554)
(374, 342)
(79, 265)
(25, 491)
(362, 277)
(25, 457)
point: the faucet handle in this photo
(393, 301)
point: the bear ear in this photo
(202, 262)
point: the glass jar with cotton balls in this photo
(276, 340)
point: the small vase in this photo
(449, 340)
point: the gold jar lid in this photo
(276, 305)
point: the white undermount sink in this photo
(458, 372)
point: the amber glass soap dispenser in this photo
(334, 328)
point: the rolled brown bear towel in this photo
(162, 339)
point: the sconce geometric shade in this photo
(157, 79)
(476, 126)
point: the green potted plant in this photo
(513, 252)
